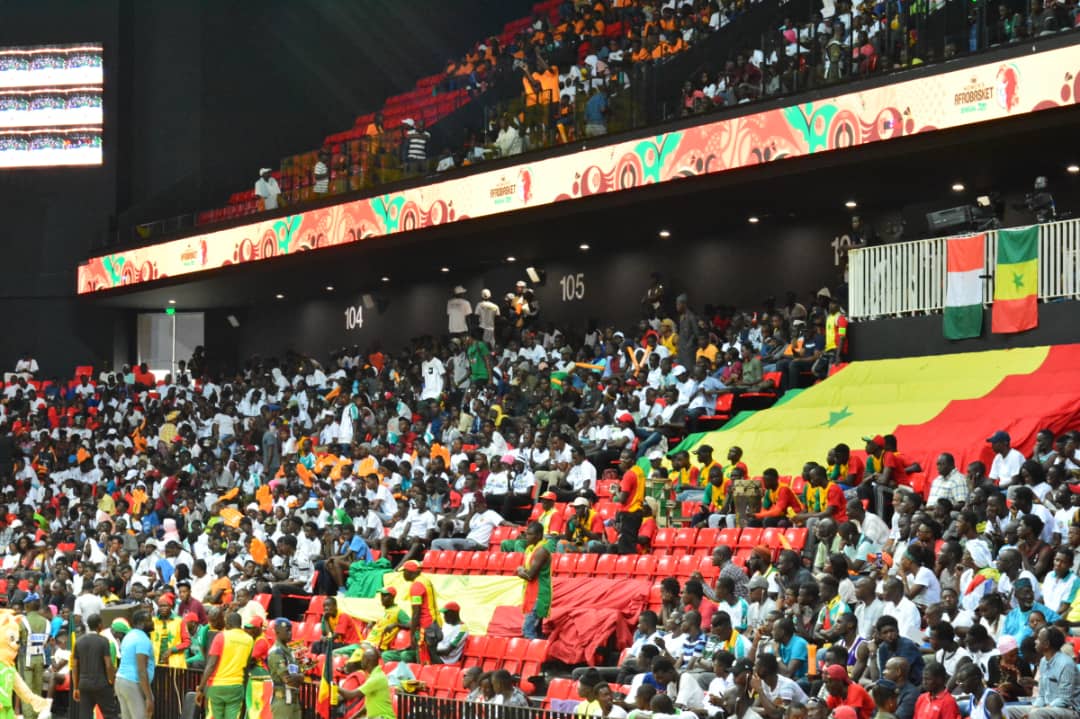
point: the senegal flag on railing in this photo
(1016, 281)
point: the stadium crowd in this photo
(192, 496)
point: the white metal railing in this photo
(906, 278)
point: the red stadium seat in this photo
(771, 537)
(684, 539)
(605, 566)
(741, 555)
(585, 565)
(707, 538)
(749, 537)
(429, 673)
(512, 560)
(645, 567)
(624, 565)
(665, 567)
(494, 563)
(665, 537)
(729, 536)
(475, 647)
(514, 657)
(535, 656)
(493, 653)
(654, 597)
(796, 537)
(687, 565)
(458, 562)
(564, 564)
(402, 641)
(709, 571)
(477, 562)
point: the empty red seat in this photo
(564, 564)
(645, 567)
(585, 566)
(707, 538)
(605, 566)
(494, 564)
(665, 567)
(493, 653)
(625, 564)
(475, 647)
(535, 656)
(687, 565)
(458, 563)
(771, 537)
(512, 560)
(684, 538)
(514, 656)
(729, 536)
(664, 538)
(796, 537)
(750, 537)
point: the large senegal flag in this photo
(948, 403)
(963, 288)
(1016, 281)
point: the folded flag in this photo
(1016, 281)
(963, 287)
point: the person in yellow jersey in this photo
(550, 519)
(170, 635)
(223, 679)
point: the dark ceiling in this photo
(908, 176)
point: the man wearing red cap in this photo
(170, 635)
(455, 633)
(844, 692)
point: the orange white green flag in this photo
(963, 287)
(1016, 281)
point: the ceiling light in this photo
(1073, 169)
(172, 302)
(753, 219)
(444, 269)
(851, 204)
(279, 296)
(583, 246)
(511, 258)
(664, 234)
(329, 288)
(958, 187)
(385, 278)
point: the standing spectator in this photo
(34, 633)
(508, 141)
(224, 678)
(321, 175)
(596, 110)
(688, 330)
(136, 669)
(458, 310)
(284, 703)
(536, 571)
(416, 142)
(93, 673)
(486, 312)
(266, 188)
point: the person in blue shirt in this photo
(891, 644)
(596, 108)
(136, 670)
(1016, 621)
(792, 650)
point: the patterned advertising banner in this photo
(1022, 85)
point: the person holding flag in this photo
(426, 622)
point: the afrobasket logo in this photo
(503, 191)
(1007, 87)
(974, 96)
(194, 255)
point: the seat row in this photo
(689, 540)
(631, 566)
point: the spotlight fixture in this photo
(753, 219)
(511, 258)
(444, 269)
(1072, 169)
(329, 288)
(851, 204)
(172, 302)
(583, 247)
(385, 278)
(664, 234)
(958, 187)
(279, 296)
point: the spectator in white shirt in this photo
(580, 476)
(1007, 461)
(27, 366)
(266, 189)
(321, 175)
(457, 310)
